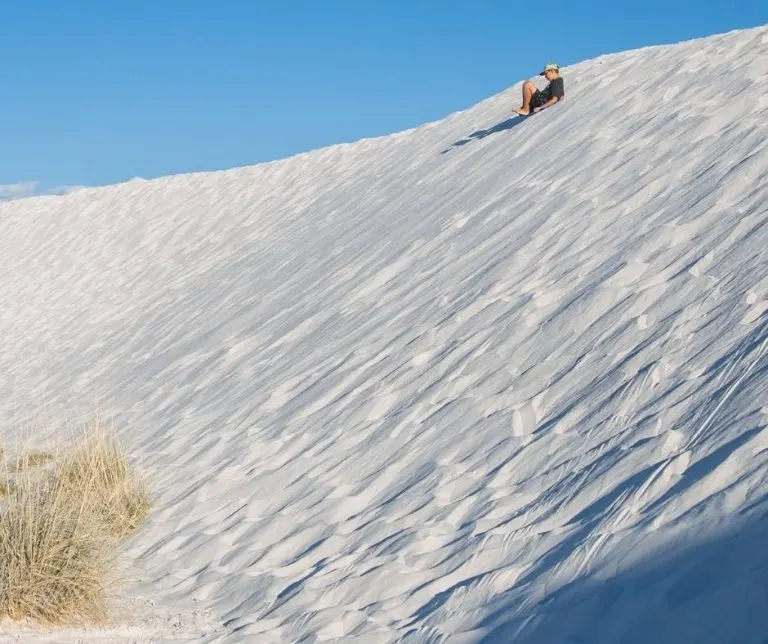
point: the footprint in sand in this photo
(756, 310)
(523, 421)
(701, 266)
(525, 417)
(460, 219)
(672, 442)
(660, 371)
(679, 465)
(670, 93)
(420, 359)
(645, 321)
(627, 275)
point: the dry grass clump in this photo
(60, 526)
(33, 459)
(53, 559)
(118, 499)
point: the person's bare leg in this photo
(528, 90)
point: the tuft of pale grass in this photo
(116, 496)
(54, 562)
(60, 528)
(33, 459)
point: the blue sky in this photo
(100, 91)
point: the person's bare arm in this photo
(549, 103)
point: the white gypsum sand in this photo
(481, 381)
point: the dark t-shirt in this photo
(555, 88)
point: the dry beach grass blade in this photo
(33, 459)
(117, 498)
(60, 525)
(54, 559)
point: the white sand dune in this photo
(487, 380)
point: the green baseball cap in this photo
(550, 67)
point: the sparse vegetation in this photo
(116, 497)
(61, 520)
(33, 459)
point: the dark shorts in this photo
(538, 99)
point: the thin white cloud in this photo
(10, 191)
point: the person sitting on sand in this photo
(535, 100)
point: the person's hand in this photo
(536, 109)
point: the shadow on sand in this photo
(481, 134)
(710, 593)
(713, 590)
(708, 584)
